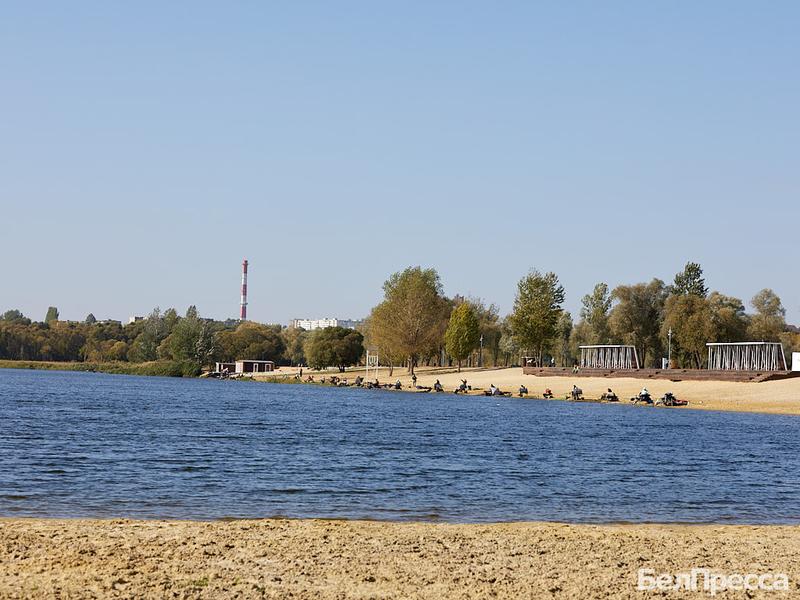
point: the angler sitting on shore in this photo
(577, 393)
(523, 391)
(462, 389)
(437, 387)
(495, 391)
(609, 395)
(398, 385)
(548, 393)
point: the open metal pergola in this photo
(609, 357)
(746, 356)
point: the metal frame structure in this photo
(371, 363)
(609, 357)
(746, 356)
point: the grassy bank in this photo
(161, 368)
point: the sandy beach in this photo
(42, 558)
(777, 397)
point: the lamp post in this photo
(669, 348)
(480, 355)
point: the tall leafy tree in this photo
(690, 281)
(410, 319)
(728, 318)
(463, 332)
(52, 315)
(537, 308)
(769, 320)
(562, 348)
(690, 319)
(595, 313)
(294, 339)
(334, 347)
(15, 316)
(153, 331)
(170, 319)
(192, 339)
(90, 319)
(636, 319)
(380, 338)
(252, 341)
(508, 345)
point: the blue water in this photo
(93, 445)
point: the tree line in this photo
(190, 341)
(417, 324)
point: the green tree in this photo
(463, 332)
(537, 308)
(595, 313)
(508, 345)
(690, 281)
(562, 348)
(118, 351)
(192, 339)
(334, 347)
(413, 314)
(690, 318)
(636, 319)
(15, 316)
(170, 320)
(490, 329)
(769, 321)
(380, 338)
(52, 315)
(153, 331)
(728, 318)
(252, 341)
(294, 338)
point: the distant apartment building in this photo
(136, 319)
(311, 324)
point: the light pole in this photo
(480, 355)
(669, 348)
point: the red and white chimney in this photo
(243, 308)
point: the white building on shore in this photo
(311, 324)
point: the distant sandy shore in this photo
(777, 397)
(42, 558)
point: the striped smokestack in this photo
(243, 309)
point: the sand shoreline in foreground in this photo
(277, 558)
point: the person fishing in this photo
(414, 380)
(522, 391)
(438, 386)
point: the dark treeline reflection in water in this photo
(93, 445)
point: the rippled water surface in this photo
(84, 444)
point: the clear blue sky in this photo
(147, 147)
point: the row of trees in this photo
(416, 323)
(169, 337)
